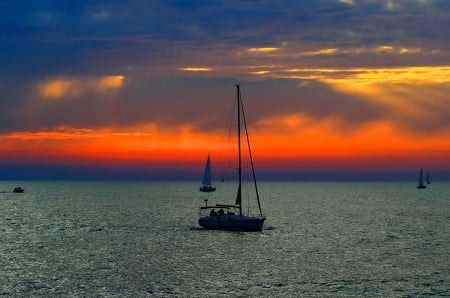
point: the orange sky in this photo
(291, 141)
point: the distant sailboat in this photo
(421, 185)
(232, 216)
(206, 181)
(428, 178)
(18, 189)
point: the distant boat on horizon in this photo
(421, 184)
(206, 181)
(428, 178)
(18, 189)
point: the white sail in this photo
(207, 173)
(206, 181)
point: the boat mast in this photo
(239, 194)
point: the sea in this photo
(142, 239)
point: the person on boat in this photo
(221, 212)
(213, 212)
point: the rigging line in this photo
(250, 155)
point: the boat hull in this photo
(18, 190)
(421, 186)
(232, 223)
(206, 188)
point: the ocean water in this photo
(141, 239)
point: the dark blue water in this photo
(142, 239)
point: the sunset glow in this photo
(295, 138)
(196, 69)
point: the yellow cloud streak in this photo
(369, 76)
(410, 51)
(383, 49)
(58, 88)
(260, 72)
(321, 52)
(195, 69)
(263, 50)
(109, 82)
(71, 87)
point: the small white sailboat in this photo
(421, 184)
(229, 216)
(206, 181)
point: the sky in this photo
(333, 89)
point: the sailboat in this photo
(428, 178)
(18, 189)
(421, 185)
(206, 181)
(232, 216)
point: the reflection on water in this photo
(142, 239)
